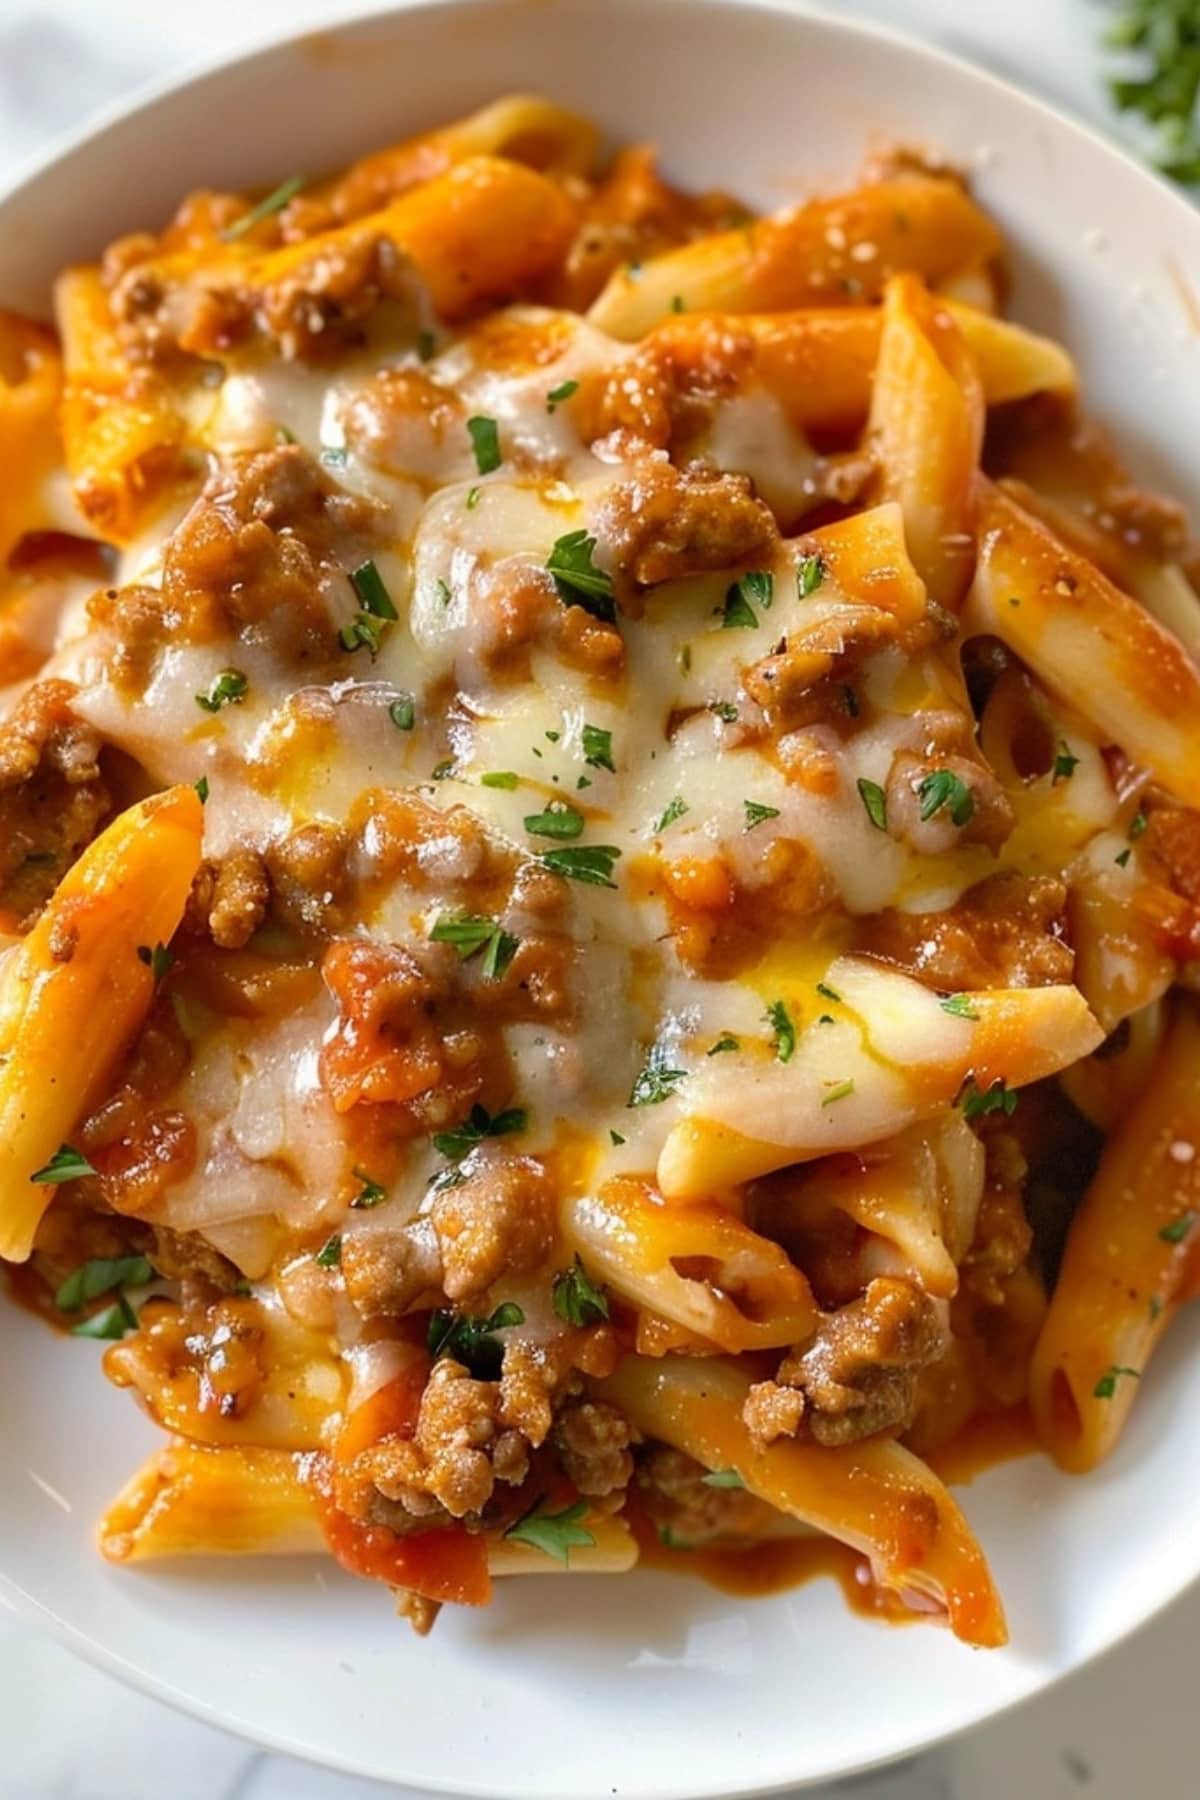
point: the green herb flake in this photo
(724, 710)
(471, 934)
(364, 632)
(110, 1325)
(674, 809)
(159, 960)
(266, 208)
(780, 1021)
(371, 589)
(723, 1044)
(578, 580)
(485, 441)
(426, 346)
(615, 1138)
(722, 1478)
(226, 689)
(1122, 858)
(737, 614)
(329, 1256)
(875, 801)
(597, 749)
(202, 789)
(557, 395)
(657, 1081)
(442, 590)
(591, 864)
(577, 1299)
(944, 789)
(558, 821)
(470, 1340)
(1138, 824)
(100, 1275)
(555, 1533)
(369, 1195)
(960, 1006)
(1156, 1307)
(1178, 1229)
(828, 993)
(999, 1098)
(474, 496)
(810, 573)
(478, 1125)
(1065, 763)
(758, 585)
(403, 712)
(757, 814)
(837, 1090)
(67, 1164)
(1106, 1387)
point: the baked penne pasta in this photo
(594, 876)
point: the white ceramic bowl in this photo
(649, 1685)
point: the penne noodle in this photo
(30, 449)
(875, 1496)
(807, 256)
(1130, 1261)
(63, 1024)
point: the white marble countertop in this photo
(1119, 1729)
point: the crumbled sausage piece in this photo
(388, 1270)
(771, 1411)
(682, 1503)
(186, 1257)
(1007, 931)
(858, 1374)
(52, 795)
(457, 1454)
(528, 1379)
(237, 905)
(665, 523)
(498, 1221)
(310, 877)
(420, 1612)
(593, 1441)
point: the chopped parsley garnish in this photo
(469, 1340)
(780, 1020)
(329, 1255)
(725, 1042)
(577, 1299)
(371, 589)
(758, 586)
(500, 778)
(1156, 1307)
(369, 1195)
(589, 863)
(442, 771)
(1122, 858)
(837, 1090)
(110, 1324)
(403, 712)
(998, 1098)
(266, 208)
(478, 1124)
(474, 496)
(674, 809)
(202, 789)
(615, 1138)
(1178, 1229)
(100, 1275)
(560, 821)
(810, 573)
(723, 1478)
(1106, 1387)
(828, 993)
(960, 1005)
(470, 934)
(875, 801)
(724, 710)
(943, 788)
(1065, 763)
(67, 1164)
(1138, 823)
(737, 614)
(657, 1081)
(578, 580)
(557, 395)
(426, 346)
(159, 961)
(555, 1533)
(597, 748)
(485, 440)
(442, 590)
(757, 814)
(226, 689)
(364, 632)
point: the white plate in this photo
(649, 1685)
